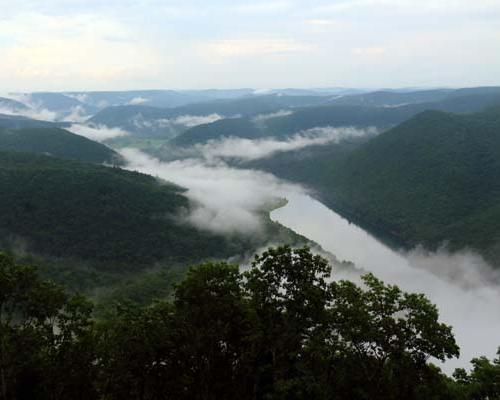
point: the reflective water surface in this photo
(471, 307)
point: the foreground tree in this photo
(280, 330)
(44, 336)
(483, 381)
(386, 337)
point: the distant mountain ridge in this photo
(359, 116)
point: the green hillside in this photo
(237, 127)
(359, 116)
(56, 142)
(109, 216)
(12, 105)
(432, 179)
(149, 122)
(18, 122)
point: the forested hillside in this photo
(360, 116)
(107, 216)
(433, 179)
(18, 122)
(146, 121)
(56, 142)
(279, 330)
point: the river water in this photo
(466, 302)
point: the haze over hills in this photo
(19, 121)
(12, 105)
(106, 216)
(58, 143)
(414, 172)
(378, 115)
(250, 200)
(432, 180)
(167, 122)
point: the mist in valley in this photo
(462, 284)
(228, 200)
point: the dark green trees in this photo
(46, 349)
(279, 330)
(483, 382)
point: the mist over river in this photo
(458, 284)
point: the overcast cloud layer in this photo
(138, 44)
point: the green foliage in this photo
(431, 179)
(358, 110)
(68, 217)
(129, 117)
(279, 330)
(483, 381)
(104, 215)
(46, 346)
(56, 142)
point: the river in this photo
(471, 307)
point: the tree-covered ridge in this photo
(65, 208)
(11, 105)
(280, 330)
(432, 179)
(336, 115)
(56, 142)
(153, 122)
(19, 122)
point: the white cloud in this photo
(251, 149)
(98, 133)
(138, 100)
(54, 49)
(256, 47)
(369, 51)
(462, 285)
(413, 6)
(224, 199)
(77, 114)
(264, 117)
(320, 22)
(194, 120)
(263, 7)
(183, 120)
(32, 110)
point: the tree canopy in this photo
(281, 329)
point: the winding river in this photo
(466, 302)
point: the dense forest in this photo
(281, 329)
(357, 113)
(128, 300)
(93, 221)
(431, 180)
(58, 143)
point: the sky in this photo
(197, 44)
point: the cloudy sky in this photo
(194, 44)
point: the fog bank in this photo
(223, 199)
(251, 149)
(97, 132)
(461, 284)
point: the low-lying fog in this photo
(460, 283)
(227, 199)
